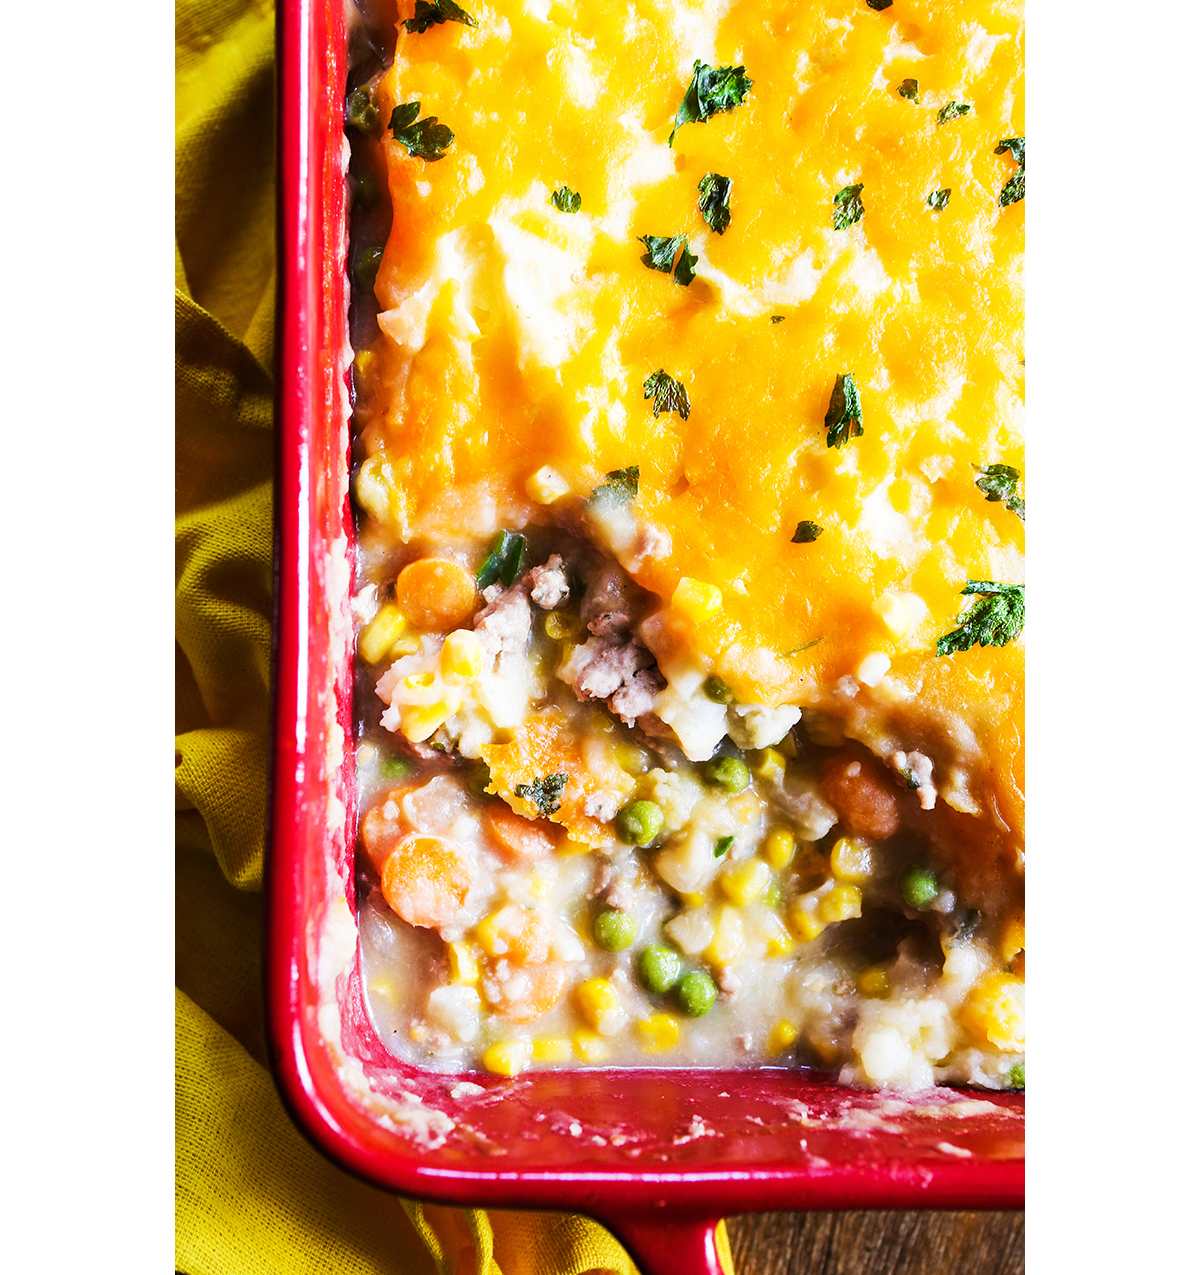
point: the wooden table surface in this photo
(878, 1243)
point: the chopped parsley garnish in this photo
(952, 110)
(545, 794)
(909, 778)
(879, 5)
(844, 418)
(1013, 190)
(907, 90)
(566, 200)
(434, 14)
(668, 394)
(995, 618)
(721, 846)
(620, 489)
(804, 646)
(660, 253)
(712, 90)
(503, 563)
(938, 199)
(714, 200)
(777, 318)
(999, 482)
(362, 112)
(847, 207)
(806, 532)
(424, 139)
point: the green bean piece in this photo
(1016, 1076)
(919, 887)
(639, 822)
(659, 968)
(613, 929)
(697, 993)
(729, 773)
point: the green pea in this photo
(697, 993)
(613, 929)
(659, 968)
(639, 822)
(729, 773)
(1016, 1076)
(773, 896)
(717, 691)
(918, 887)
(393, 769)
(361, 111)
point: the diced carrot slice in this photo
(546, 984)
(516, 838)
(436, 593)
(383, 826)
(426, 880)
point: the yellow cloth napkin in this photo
(251, 1194)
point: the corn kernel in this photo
(560, 625)
(769, 764)
(779, 847)
(552, 1049)
(744, 882)
(383, 629)
(659, 1033)
(850, 860)
(569, 847)
(995, 1011)
(874, 982)
(783, 1035)
(507, 1057)
(408, 645)
(363, 360)
(696, 600)
(694, 898)
(546, 486)
(600, 1004)
(495, 933)
(779, 941)
(464, 968)
(1012, 937)
(461, 656)
(840, 904)
(590, 1046)
(728, 938)
(374, 490)
(383, 989)
(419, 721)
(803, 919)
(631, 759)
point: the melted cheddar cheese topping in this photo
(516, 337)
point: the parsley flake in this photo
(566, 200)
(434, 14)
(995, 618)
(424, 139)
(952, 110)
(879, 5)
(999, 482)
(938, 199)
(844, 418)
(806, 532)
(660, 253)
(668, 394)
(545, 793)
(714, 201)
(503, 562)
(907, 90)
(712, 90)
(847, 207)
(777, 318)
(620, 489)
(722, 845)
(1013, 190)
(685, 267)
(804, 646)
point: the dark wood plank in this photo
(879, 1243)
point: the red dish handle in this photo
(669, 1246)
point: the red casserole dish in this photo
(656, 1155)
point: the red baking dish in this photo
(656, 1155)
